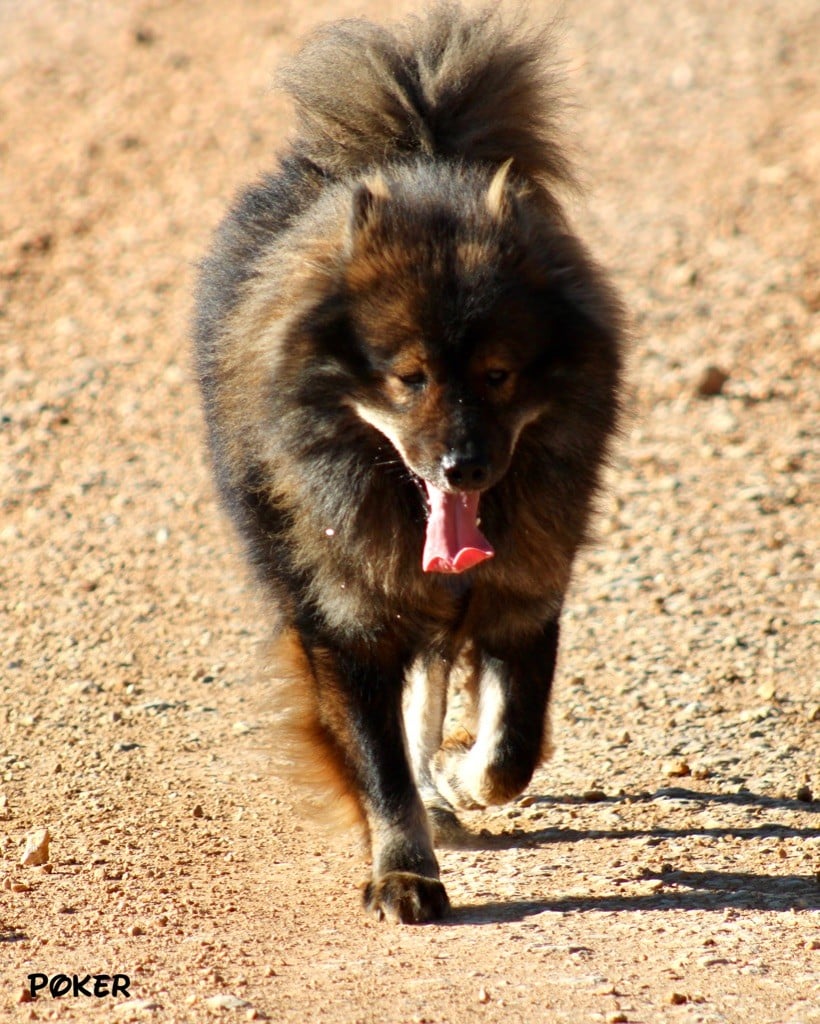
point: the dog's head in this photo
(465, 318)
(473, 314)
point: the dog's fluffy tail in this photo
(463, 85)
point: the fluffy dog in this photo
(397, 332)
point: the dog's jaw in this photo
(453, 542)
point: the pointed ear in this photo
(370, 198)
(499, 200)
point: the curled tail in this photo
(453, 84)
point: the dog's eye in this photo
(416, 381)
(497, 377)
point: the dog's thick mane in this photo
(454, 84)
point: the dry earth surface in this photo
(664, 866)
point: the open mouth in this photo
(453, 542)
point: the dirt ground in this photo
(664, 866)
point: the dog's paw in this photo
(452, 778)
(465, 780)
(448, 832)
(404, 898)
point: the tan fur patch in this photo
(472, 255)
(377, 186)
(305, 751)
(382, 423)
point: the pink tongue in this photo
(454, 542)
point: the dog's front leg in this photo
(361, 701)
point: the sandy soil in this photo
(664, 866)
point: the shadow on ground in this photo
(682, 890)
(678, 890)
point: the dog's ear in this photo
(499, 198)
(503, 202)
(370, 199)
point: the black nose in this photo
(465, 470)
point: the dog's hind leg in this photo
(425, 706)
(512, 735)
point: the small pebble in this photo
(483, 996)
(226, 1001)
(682, 275)
(36, 851)
(804, 794)
(681, 77)
(131, 1006)
(145, 36)
(676, 769)
(767, 691)
(711, 382)
(677, 999)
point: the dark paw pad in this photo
(402, 897)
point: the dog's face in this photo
(459, 345)
(453, 406)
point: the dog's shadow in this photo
(675, 889)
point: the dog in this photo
(412, 374)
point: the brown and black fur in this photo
(402, 300)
